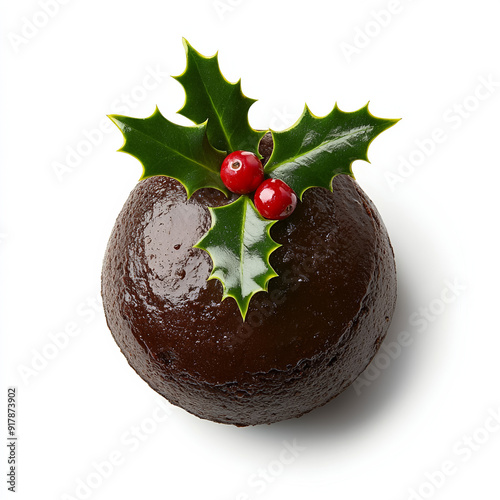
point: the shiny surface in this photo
(275, 200)
(165, 148)
(164, 295)
(211, 98)
(303, 342)
(322, 147)
(240, 245)
(242, 172)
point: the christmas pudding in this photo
(248, 278)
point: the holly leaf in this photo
(210, 96)
(239, 244)
(165, 148)
(316, 149)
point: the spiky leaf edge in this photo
(242, 308)
(348, 171)
(178, 78)
(115, 119)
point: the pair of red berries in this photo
(242, 173)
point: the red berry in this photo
(242, 172)
(274, 199)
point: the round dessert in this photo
(306, 340)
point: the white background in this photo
(432, 403)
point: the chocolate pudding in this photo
(303, 342)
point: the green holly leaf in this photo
(239, 244)
(210, 96)
(316, 149)
(165, 148)
(310, 153)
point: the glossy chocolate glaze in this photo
(303, 342)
